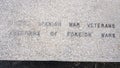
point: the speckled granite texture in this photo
(25, 36)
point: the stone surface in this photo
(41, 30)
